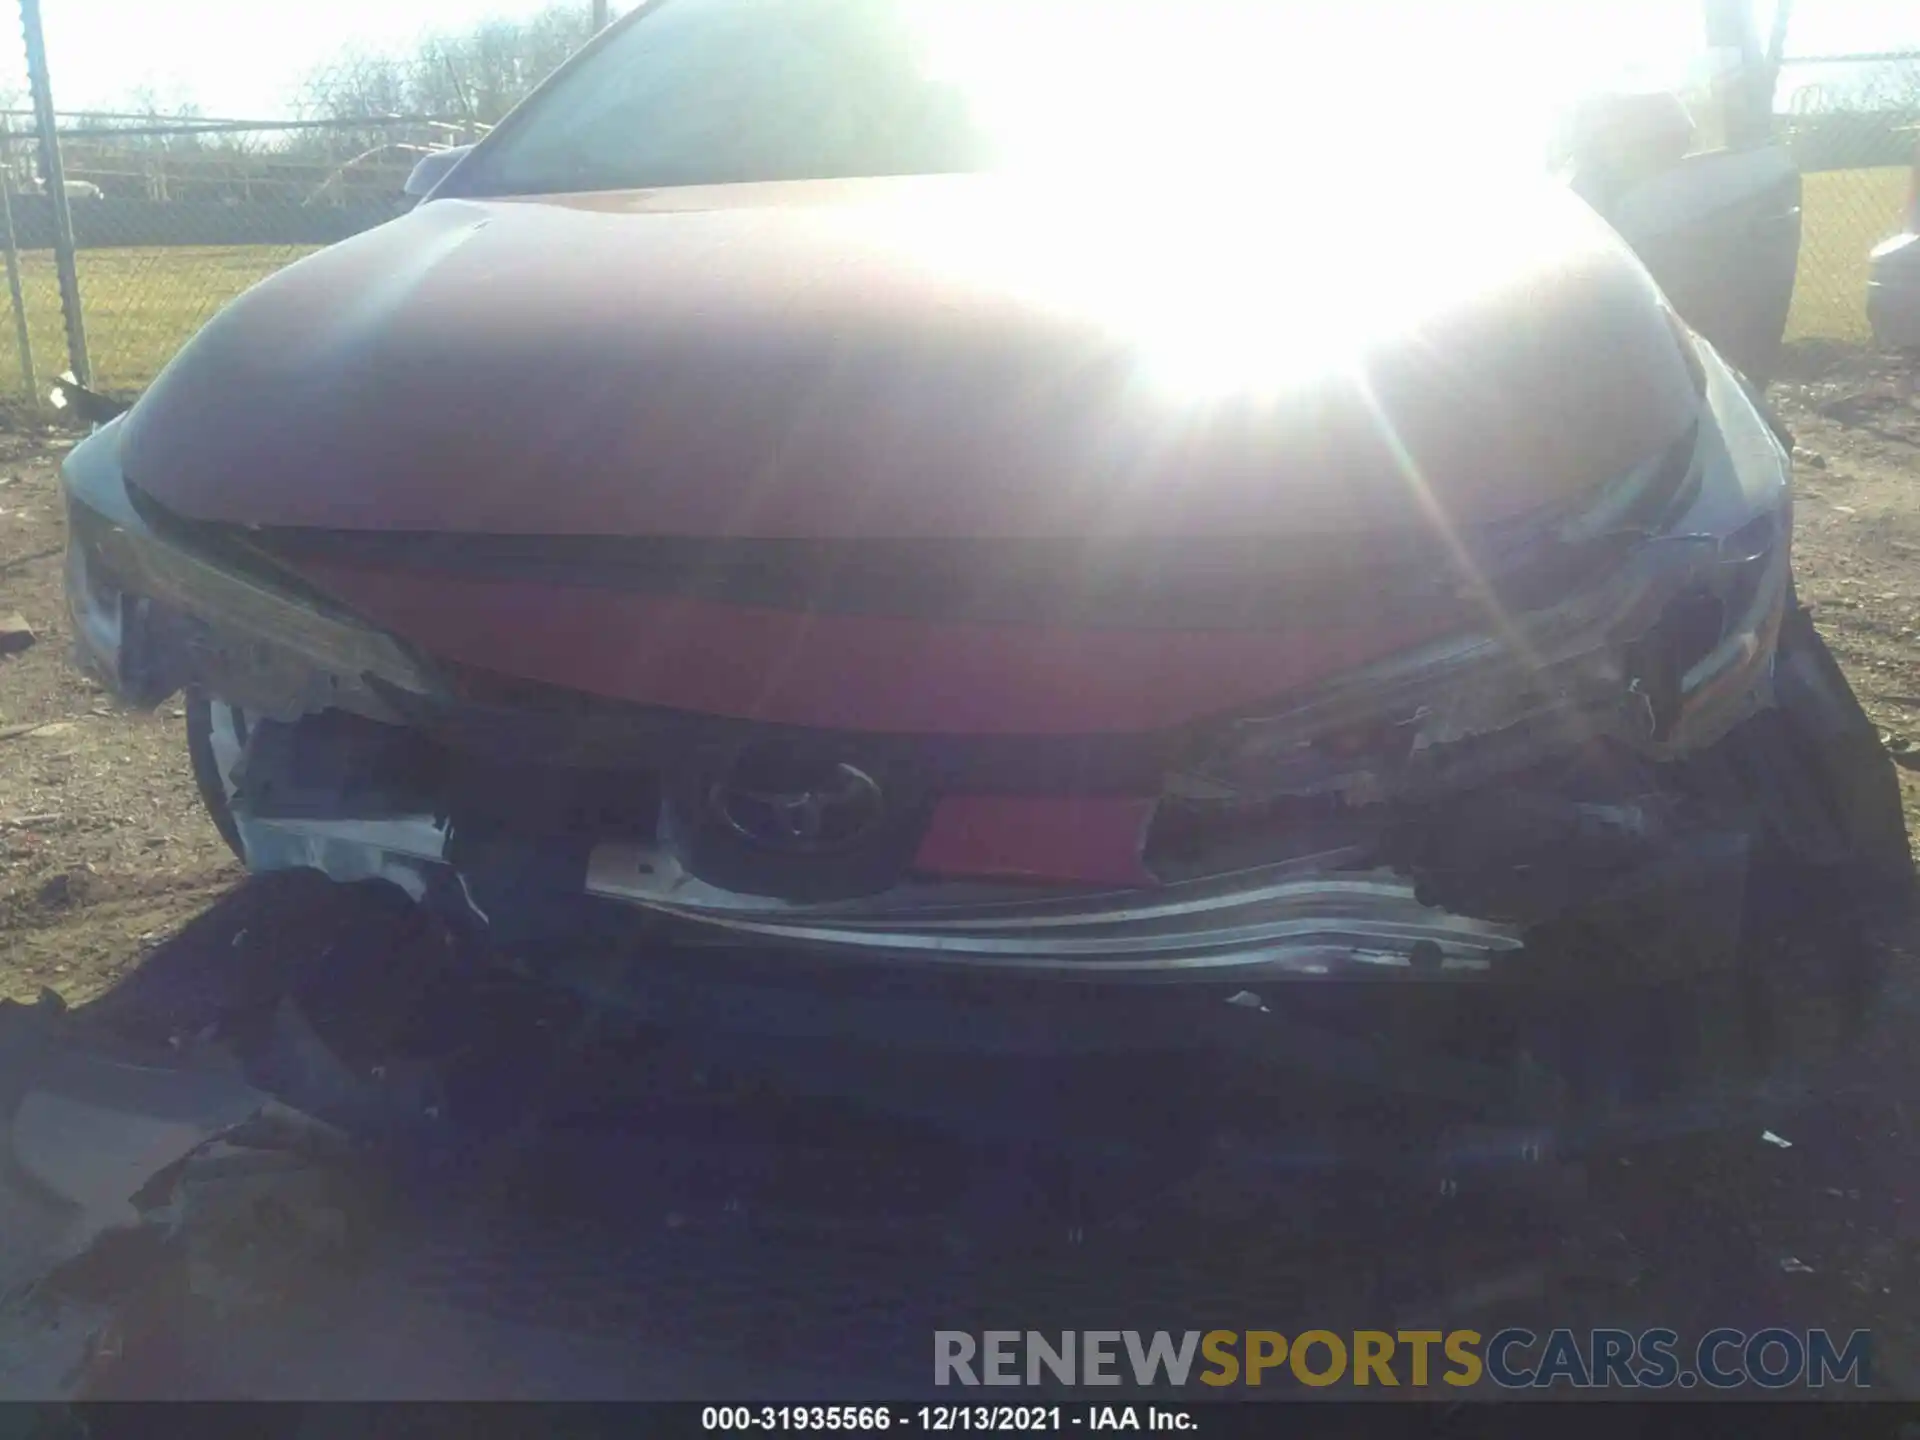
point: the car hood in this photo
(926, 358)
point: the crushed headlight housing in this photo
(1664, 652)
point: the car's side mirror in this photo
(433, 168)
(1632, 134)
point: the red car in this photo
(747, 524)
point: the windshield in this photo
(723, 91)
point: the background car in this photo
(1893, 281)
(915, 547)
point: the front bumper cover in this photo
(153, 612)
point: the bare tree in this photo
(477, 74)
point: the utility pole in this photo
(1777, 43)
(54, 177)
(599, 16)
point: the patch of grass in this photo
(1845, 213)
(142, 304)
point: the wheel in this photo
(216, 738)
(1838, 747)
(1831, 863)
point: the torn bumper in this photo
(1261, 857)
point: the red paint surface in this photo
(937, 357)
(850, 672)
(951, 356)
(1091, 839)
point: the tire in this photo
(1838, 749)
(206, 720)
(1831, 864)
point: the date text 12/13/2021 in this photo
(941, 1419)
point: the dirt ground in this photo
(104, 849)
(105, 853)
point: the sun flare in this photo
(1270, 118)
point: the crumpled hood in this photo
(936, 357)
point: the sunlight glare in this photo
(1261, 121)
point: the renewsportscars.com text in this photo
(1655, 1359)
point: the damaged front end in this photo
(1581, 792)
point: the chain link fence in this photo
(173, 216)
(171, 220)
(1853, 124)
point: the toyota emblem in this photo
(833, 807)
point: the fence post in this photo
(27, 377)
(53, 176)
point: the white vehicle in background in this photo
(76, 189)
